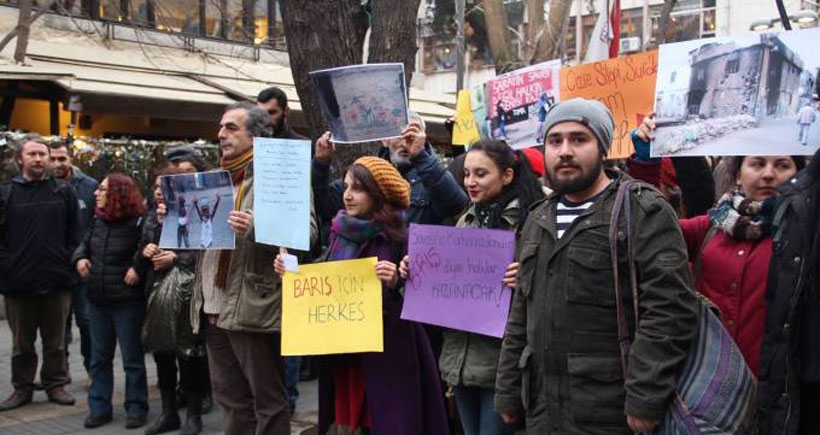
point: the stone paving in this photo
(45, 418)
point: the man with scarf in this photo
(237, 297)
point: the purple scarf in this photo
(349, 235)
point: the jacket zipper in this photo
(788, 358)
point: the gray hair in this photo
(258, 121)
(414, 116)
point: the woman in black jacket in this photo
(789, 381)
(108, 259)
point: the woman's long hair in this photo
(384, 212)
(123, 199)
(524, 185)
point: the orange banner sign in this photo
(625, 84)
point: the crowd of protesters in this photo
(212, 319)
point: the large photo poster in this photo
(741, 95)
(517, 103)
(363, 103)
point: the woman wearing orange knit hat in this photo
(396, 391)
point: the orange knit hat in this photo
(392, 185)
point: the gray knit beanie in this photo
(591, 113)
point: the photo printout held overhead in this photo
(281, 192)
(626, 85)
(751, 94)
(455, 278)
(363, 103)
(332, 307)
(198, 205)
(517, 103)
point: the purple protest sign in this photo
(455, 278)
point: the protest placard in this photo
(625, 84)
(465, 130)
(198, 205)
(517, 103)
(362, 103)
(456, 278)
(333, 307)
(738, 95)
(281, 192)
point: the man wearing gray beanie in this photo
(560, 367)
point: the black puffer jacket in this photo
(790, 356)
(112, 249)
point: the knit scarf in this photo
(238, 167)
(349, 234)
(742, 218)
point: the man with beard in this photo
(38, 234)
(560, 365)
(84, 187)
(274, 101)
(435, 195)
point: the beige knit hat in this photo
(392, 185)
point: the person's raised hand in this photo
(414, 138)
(240, 222)
(162, 211)
(324, 149)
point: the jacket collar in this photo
(19, 179)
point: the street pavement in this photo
(45, 418)
(776, 136)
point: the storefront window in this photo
(178, 16)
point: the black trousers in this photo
(193, 372)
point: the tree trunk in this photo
(663, 23)
(535, 27)
(394, 35)
(550, 44)
(498, 36)
(322, 35)
(23, 28)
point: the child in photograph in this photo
(182, 223)
(206, 215)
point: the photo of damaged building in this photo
(729, 86)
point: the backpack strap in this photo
(622, 203)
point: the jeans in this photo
(292, 365)
(111, 325)
(79, 307)
(478, 416)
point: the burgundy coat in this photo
(402, 383)
(733, 276)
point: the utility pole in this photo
(460, 45)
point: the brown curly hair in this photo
(123, 199)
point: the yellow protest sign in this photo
(465, 130)
(333, 307)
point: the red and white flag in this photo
(606, 36)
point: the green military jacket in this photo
(470, 359)
(560, 360)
